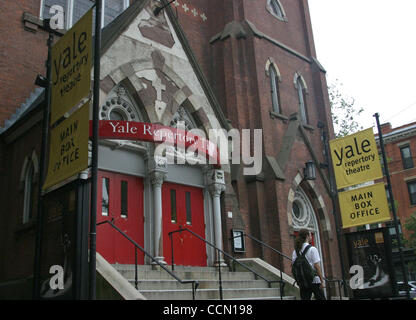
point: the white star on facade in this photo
(176, 4)
(194, 12)
(185, 7)
(204, 17)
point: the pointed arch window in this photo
(29, 187)
(276, 9)
(302, 91)
(274, 88)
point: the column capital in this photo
(157, 168)
(157, 178)
(215, 181)
(216, 189)
(157, 163)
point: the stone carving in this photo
(156, 29)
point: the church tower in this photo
(260, 60)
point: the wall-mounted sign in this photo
(71, 67)
(142, 131)
(355, 159)
(238, 240)
(364, 206)
(68, 149)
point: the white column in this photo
(216, 187)
(157, 176)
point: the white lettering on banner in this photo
(192, 146)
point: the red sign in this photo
(142, 131)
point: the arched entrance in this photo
(304, 217)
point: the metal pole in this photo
(171, 246)
(396, 224)
(219, 275)
(136, 281)
(42, 166)
(94, 162)
(333, 194)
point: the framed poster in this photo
(64, 256)
(238, 240)
(370, 261)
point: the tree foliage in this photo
(345, 115)
(410, 240)
(410, 226)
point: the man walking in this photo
(303, 240)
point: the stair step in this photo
(159, 284)
(211, 294)
(185, 275)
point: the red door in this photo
(183, 206)
(120, 199)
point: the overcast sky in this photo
(370, 47)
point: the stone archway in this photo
(306, 209)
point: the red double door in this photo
(120, 199)
(183, 206)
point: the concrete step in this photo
(146, 274)
(212, 294)
(159, 284)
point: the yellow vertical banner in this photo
(71, 67)
(364, 205)
(68, 148)
(355, 159)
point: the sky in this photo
(370, 47)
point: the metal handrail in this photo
(195, 283)
(269, 282)
(339, 281)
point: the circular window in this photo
(117, 115)
(301, 216)
(296, 211)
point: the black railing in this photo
(329, 281)
(194, 283)
(218, 250)
(339, 282)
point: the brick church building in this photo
(235, 64)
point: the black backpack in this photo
(302, 271)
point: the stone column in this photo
(157, 176)
(216, 187)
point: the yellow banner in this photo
(68, 148)
(71, 67)
(355, 159)
(364, 206)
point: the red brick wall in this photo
(17, 239)
(398, 175)
(236, 71)
(22, 55)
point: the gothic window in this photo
(301, 91)
(276, 9)
(28, 191)
(119, 106)
(274, 88)
(302, 212)
(181, 115)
